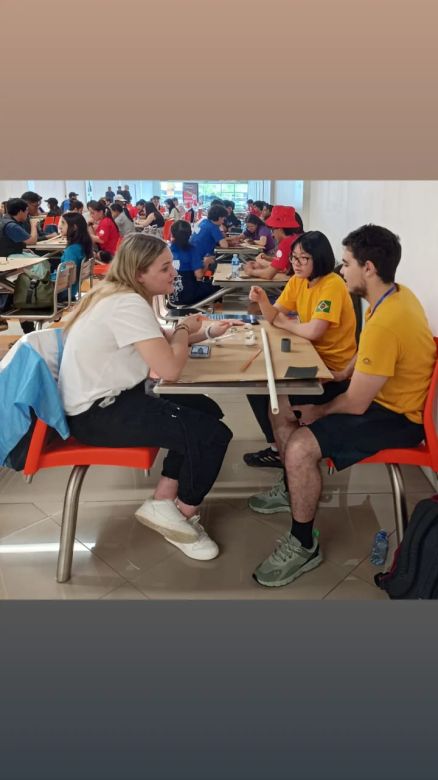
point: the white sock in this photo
(273, 448)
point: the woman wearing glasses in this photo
(325, 317)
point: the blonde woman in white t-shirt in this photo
(113, 343)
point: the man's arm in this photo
(361, 393)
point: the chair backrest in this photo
(430, 415)
(85, 272)
(166, 229)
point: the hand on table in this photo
(219, 328)
(193, 322)
(281, 320)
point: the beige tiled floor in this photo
(117, 558)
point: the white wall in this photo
(408, 208)
(288, 193)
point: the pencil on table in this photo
(251, 360)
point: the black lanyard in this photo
(382, 298)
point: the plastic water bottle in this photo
(235, 265)
(380, 548)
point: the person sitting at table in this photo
(140, 208)
(113, 345)
(153, 217)
(79, 247)
(122, 218)
(14, 238)
(287, 226)
(257, 232)
(172, 211)
(209, 235)
(190, 285)
(231, 221)
(50, 224)
(326, 317)
(382, 407)
(77, 207)
(266, 211)
(34, 201)
(103, 231)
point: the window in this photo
(236, 191)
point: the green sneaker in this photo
(274, 500)
(288, 561)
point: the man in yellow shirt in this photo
(382, 407)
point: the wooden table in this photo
(244, 250)
(13, 268)
(222, 276)
(51, 245)
(222, 371)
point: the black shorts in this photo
(329, 391)
(349, 438)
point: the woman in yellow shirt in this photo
(326, 317)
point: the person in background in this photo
(326, 317)
(156, 201)
(140, 208)
(122, 218)
(287, 226)
(14, 238)
(258, 207)
(382, 407)
(266, 211)
(103, 231)
(119, 190)
(231, 221)
(113, 344)
(173, 212)
(33, 201)
(209, 234)
(126, 194)
(109, 194)
(189, 285)
(180, 208)
(68, 202)
(249, 205)
(77, 206)
(50, 224)
(79, 245)
(257, 232)
(189, 216)
(153, 217)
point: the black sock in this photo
(303, 532)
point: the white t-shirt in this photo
(100, 358)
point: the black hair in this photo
(77, 204)
(216, 202)
(229, 204)
(319, 247)
(141, 202)
(77, 231)
(253, 219)
(249, 201)
(54, 210)
(15, 205)
(170, 203)
(100, 205)
(292, 231)
(379, 246)
(31, 197)
(215, 212)
(150, 208)
(259, 204)
(181, 232)
(158, 197)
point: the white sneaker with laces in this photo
(204, 549)
(164, 516)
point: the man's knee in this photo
(302, 447)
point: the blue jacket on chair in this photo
(28, 382)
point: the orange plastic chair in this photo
(426, 454)
(46, 454)
(50, 221)
(166, 229)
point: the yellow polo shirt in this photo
(397, 342)
(327, 300)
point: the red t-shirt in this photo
(109, 234)
(133, 210)
(281, 260)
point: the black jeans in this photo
(189, 426)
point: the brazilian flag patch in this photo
(324, 306)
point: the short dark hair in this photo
(117, 207)
(15, 205)
(31, 197)
(250, 200)
(317, 244)
(379, 246)
(158, 197)
(259, 204)
(217, 202)
(142, 201)
(215, 212)
(229, 204)
(77, 204)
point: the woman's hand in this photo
(219, 328)
(193, 323)
(258, 295)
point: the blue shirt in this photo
(206, 239)
(15, 232)
(188, 258)
(75, 254)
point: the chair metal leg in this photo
(399, 497)
(68, 526)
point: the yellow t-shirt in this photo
(327, 300)
(397, 342)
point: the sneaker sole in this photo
(175, 536)
(270, 511)
(194, 557)
(313, 564)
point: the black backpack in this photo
(414, 570)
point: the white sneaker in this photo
(165, 517)
(204, 549)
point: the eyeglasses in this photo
(300, 260)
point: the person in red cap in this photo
(287, 226)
